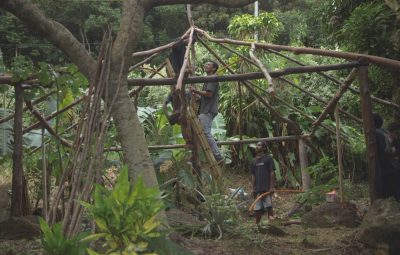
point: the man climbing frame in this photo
(262, 176)
(209, 97)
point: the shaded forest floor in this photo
(243, 239)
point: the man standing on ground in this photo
(262, 176)
(209, 106)
(384, 166)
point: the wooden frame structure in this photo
(359, 65)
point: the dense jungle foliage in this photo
(368, 26)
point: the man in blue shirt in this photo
(262, 176)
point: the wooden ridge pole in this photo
(304, 50)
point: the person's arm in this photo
(165, 104)
(253, 176)
(272, 175)
(203, 93)
(253, 181)
(272, 181)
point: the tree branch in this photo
(53, 31)
(225, 3)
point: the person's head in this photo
(394, 130)
(187, 38)
(174, 118)
(261, 147)
(211, 67)
(378, 121)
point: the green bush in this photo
(55, 243)
(126, 216)
(220, 213)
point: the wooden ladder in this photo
(198, 132)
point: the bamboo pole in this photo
(45, 125)
(240, 142)
(185, 61)
(304, 50)
(331, 78)
(339, 154)
(292, 83)
(240, 115)
(261, 66)
(48, 140)
(335, 99)
(304, 114)
(242, 77)
(369, 132)
(161, 48)
(51, 116)
(319, 99)
(44, 178)
(144, 61)
(34, 102)
(136, 91)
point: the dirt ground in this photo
(243, 240)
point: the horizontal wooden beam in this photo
(244, 141)
(242, 77)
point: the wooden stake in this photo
(339, 154)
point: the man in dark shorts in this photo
(262, 176)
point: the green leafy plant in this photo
(126, 216)
(55, 243)
(244, 26)
(220, 214)
(6, 134)
(325, 178)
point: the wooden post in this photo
(305, 176)
(369, 132)
(44, 177)
(19, 201)
(240, 117)
(339, 153)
